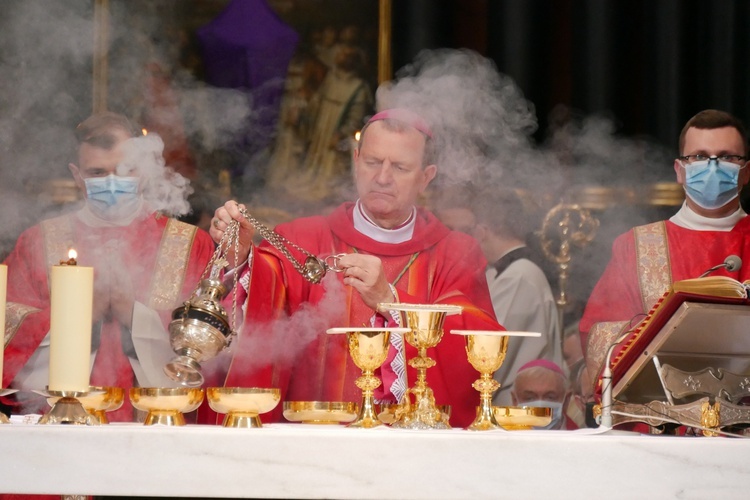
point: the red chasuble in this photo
(283, 342)
(152, 251)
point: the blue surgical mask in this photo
(711, 184)
(556, 407)
(113, 196)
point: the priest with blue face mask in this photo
(145, 263)
(542, 384)
(711, 225)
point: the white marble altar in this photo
(307, 461)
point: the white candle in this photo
(3, 296)
(71, 300)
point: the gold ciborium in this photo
(425, 324)
(242, 405)
(486, 351)
(166, 406)
(368, 348)
(199, 331)
(98, 401)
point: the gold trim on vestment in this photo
(171, 264)
(652, 258)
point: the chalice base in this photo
(185, 370)
(244, 420)
(367, 417)
(485, 420)
(422, 415)
(164, 417)
(69, 411)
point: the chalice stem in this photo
(367, 416)
(485, 419)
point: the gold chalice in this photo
(486, 352)
(98, 401)
(242, 405)
(320, 412)
(425, 324)
(368, 348)
(166, 406)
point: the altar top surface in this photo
(308, 461)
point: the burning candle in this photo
(71, 301)
(3, 285)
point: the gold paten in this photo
(165, 406)
(242, 405)
(425, 324)
(320, 412)
(368, 348)
(516, 418)
(99, 401)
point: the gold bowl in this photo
(166, 406)
(242, 405)
(517, 418)
(387, 412)
(98, 401)
(320, 412)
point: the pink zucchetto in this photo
(543, 363)
(404, 115)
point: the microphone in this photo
(732, 263)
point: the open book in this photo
(714, 286)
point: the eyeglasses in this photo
(730, 158)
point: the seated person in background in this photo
(145, 264)
(393, 252)
(521, 295)
(711, 225)
(542, 383)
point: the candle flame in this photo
(357, 134)
(144, 131)
(72, 254)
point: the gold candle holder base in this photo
(5, 392)
(242, 405)
(67, 408)
(166, 406)
(99, 401)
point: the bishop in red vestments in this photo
(393, 252)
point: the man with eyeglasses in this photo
(710, 226)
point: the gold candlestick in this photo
(368, 348)
(98, 402)
(425, 324)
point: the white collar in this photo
(688, 219)
(366, 226)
